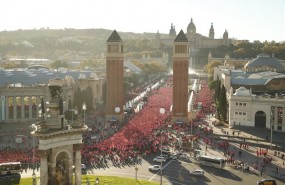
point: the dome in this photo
(263, 60)
(242, 91)
(191, 27)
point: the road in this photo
(177, 172)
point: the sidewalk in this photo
(249, 155)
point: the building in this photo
(22, 90)
(114, 77)
(256, 93)
(248, 109)
(261, 74)
(180, 78)
(196, 40)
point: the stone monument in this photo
(59, 142)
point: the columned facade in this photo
(114, 77)
(180, 78)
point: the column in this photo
(30, 107)
(38, 98)
(275, 118)
(7, 107)
(22, 107)
(78, 164)
(283, 120)
(14, 108)
(44, 167)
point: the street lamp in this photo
(34, 177)
(161, 111)
(136, 168)
(84, 107)
(271, 124)
(117, 109)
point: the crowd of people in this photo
(141, 135)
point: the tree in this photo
(223, 103)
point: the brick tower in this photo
(115, 78)
(180, 78)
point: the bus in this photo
(10, 168)
(10, 173)
(216, 162)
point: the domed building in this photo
(263, 62)
(256, 95)
(195, 39)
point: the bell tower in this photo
(114, 78)
(180, 78)
(59, 143)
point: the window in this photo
(236, 104)
(244, 104)
(240, 104)
(236, 113)
(239, 113)
(279, 127)
(244, 113)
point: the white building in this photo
(248, 109)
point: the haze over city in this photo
(249, 20)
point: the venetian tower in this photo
(114, 78)
(180, 78)
(58, 141)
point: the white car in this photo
(197, 173)
(159, 159)
(154, 168)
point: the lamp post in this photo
(34, 174)
(242, 174)
(271, 124)
(161, 111)
(136, 168)
(84, 107)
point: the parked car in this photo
(174, 156)
(267, 182)
(166, 156)
(159, 159)
(154, 168)
(197, 172)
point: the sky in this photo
(244, 19)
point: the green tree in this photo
(223, 103)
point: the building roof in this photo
(114, 37)
(263, 60)
(181, 37)
(132, 66)
(239, 77)
(29, 78)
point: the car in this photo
(159, 159)
(154, 168)
(197, 172)
(174, 156)
(267, 182)
(166, 156)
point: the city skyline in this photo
(245, 20)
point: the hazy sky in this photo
(244, 19)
